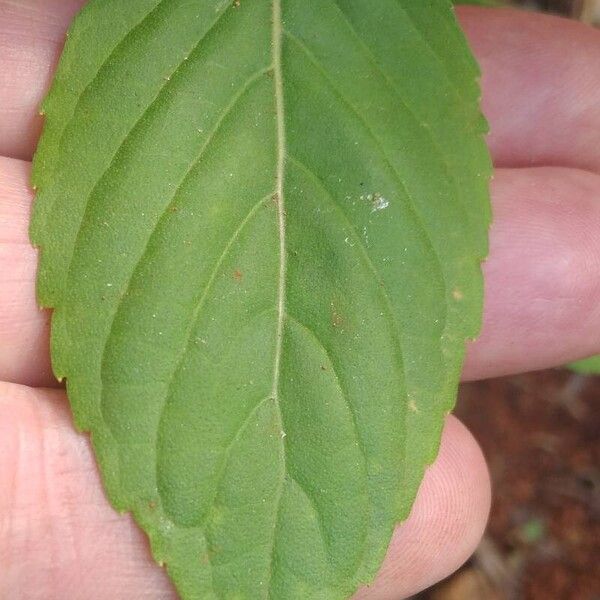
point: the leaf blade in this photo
(214, 221)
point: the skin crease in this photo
(59, 538)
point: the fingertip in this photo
(540, 86)
(31, 37)
(446, 523)
(542, 279)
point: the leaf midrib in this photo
(279, 192)
(277, 33)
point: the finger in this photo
(24, 328)
(541, 84)
(542, 279)
(58, 536)
(31, 39)
(446, 524)
(542, 305)
(541, 87)
(60, 539)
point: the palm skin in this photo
(59, 538)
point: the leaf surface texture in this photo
(261, 226)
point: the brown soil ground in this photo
(540, 433)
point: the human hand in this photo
(59, 538)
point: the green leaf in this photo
(261, 226)
(589, 366)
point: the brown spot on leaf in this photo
(336, 319)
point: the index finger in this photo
(541, 87)
(32, 34)
(541, 83)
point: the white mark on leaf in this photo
(379, 203)
(376, 200)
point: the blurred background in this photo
(585, 10)
(540, 433)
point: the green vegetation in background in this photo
(589, 366)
